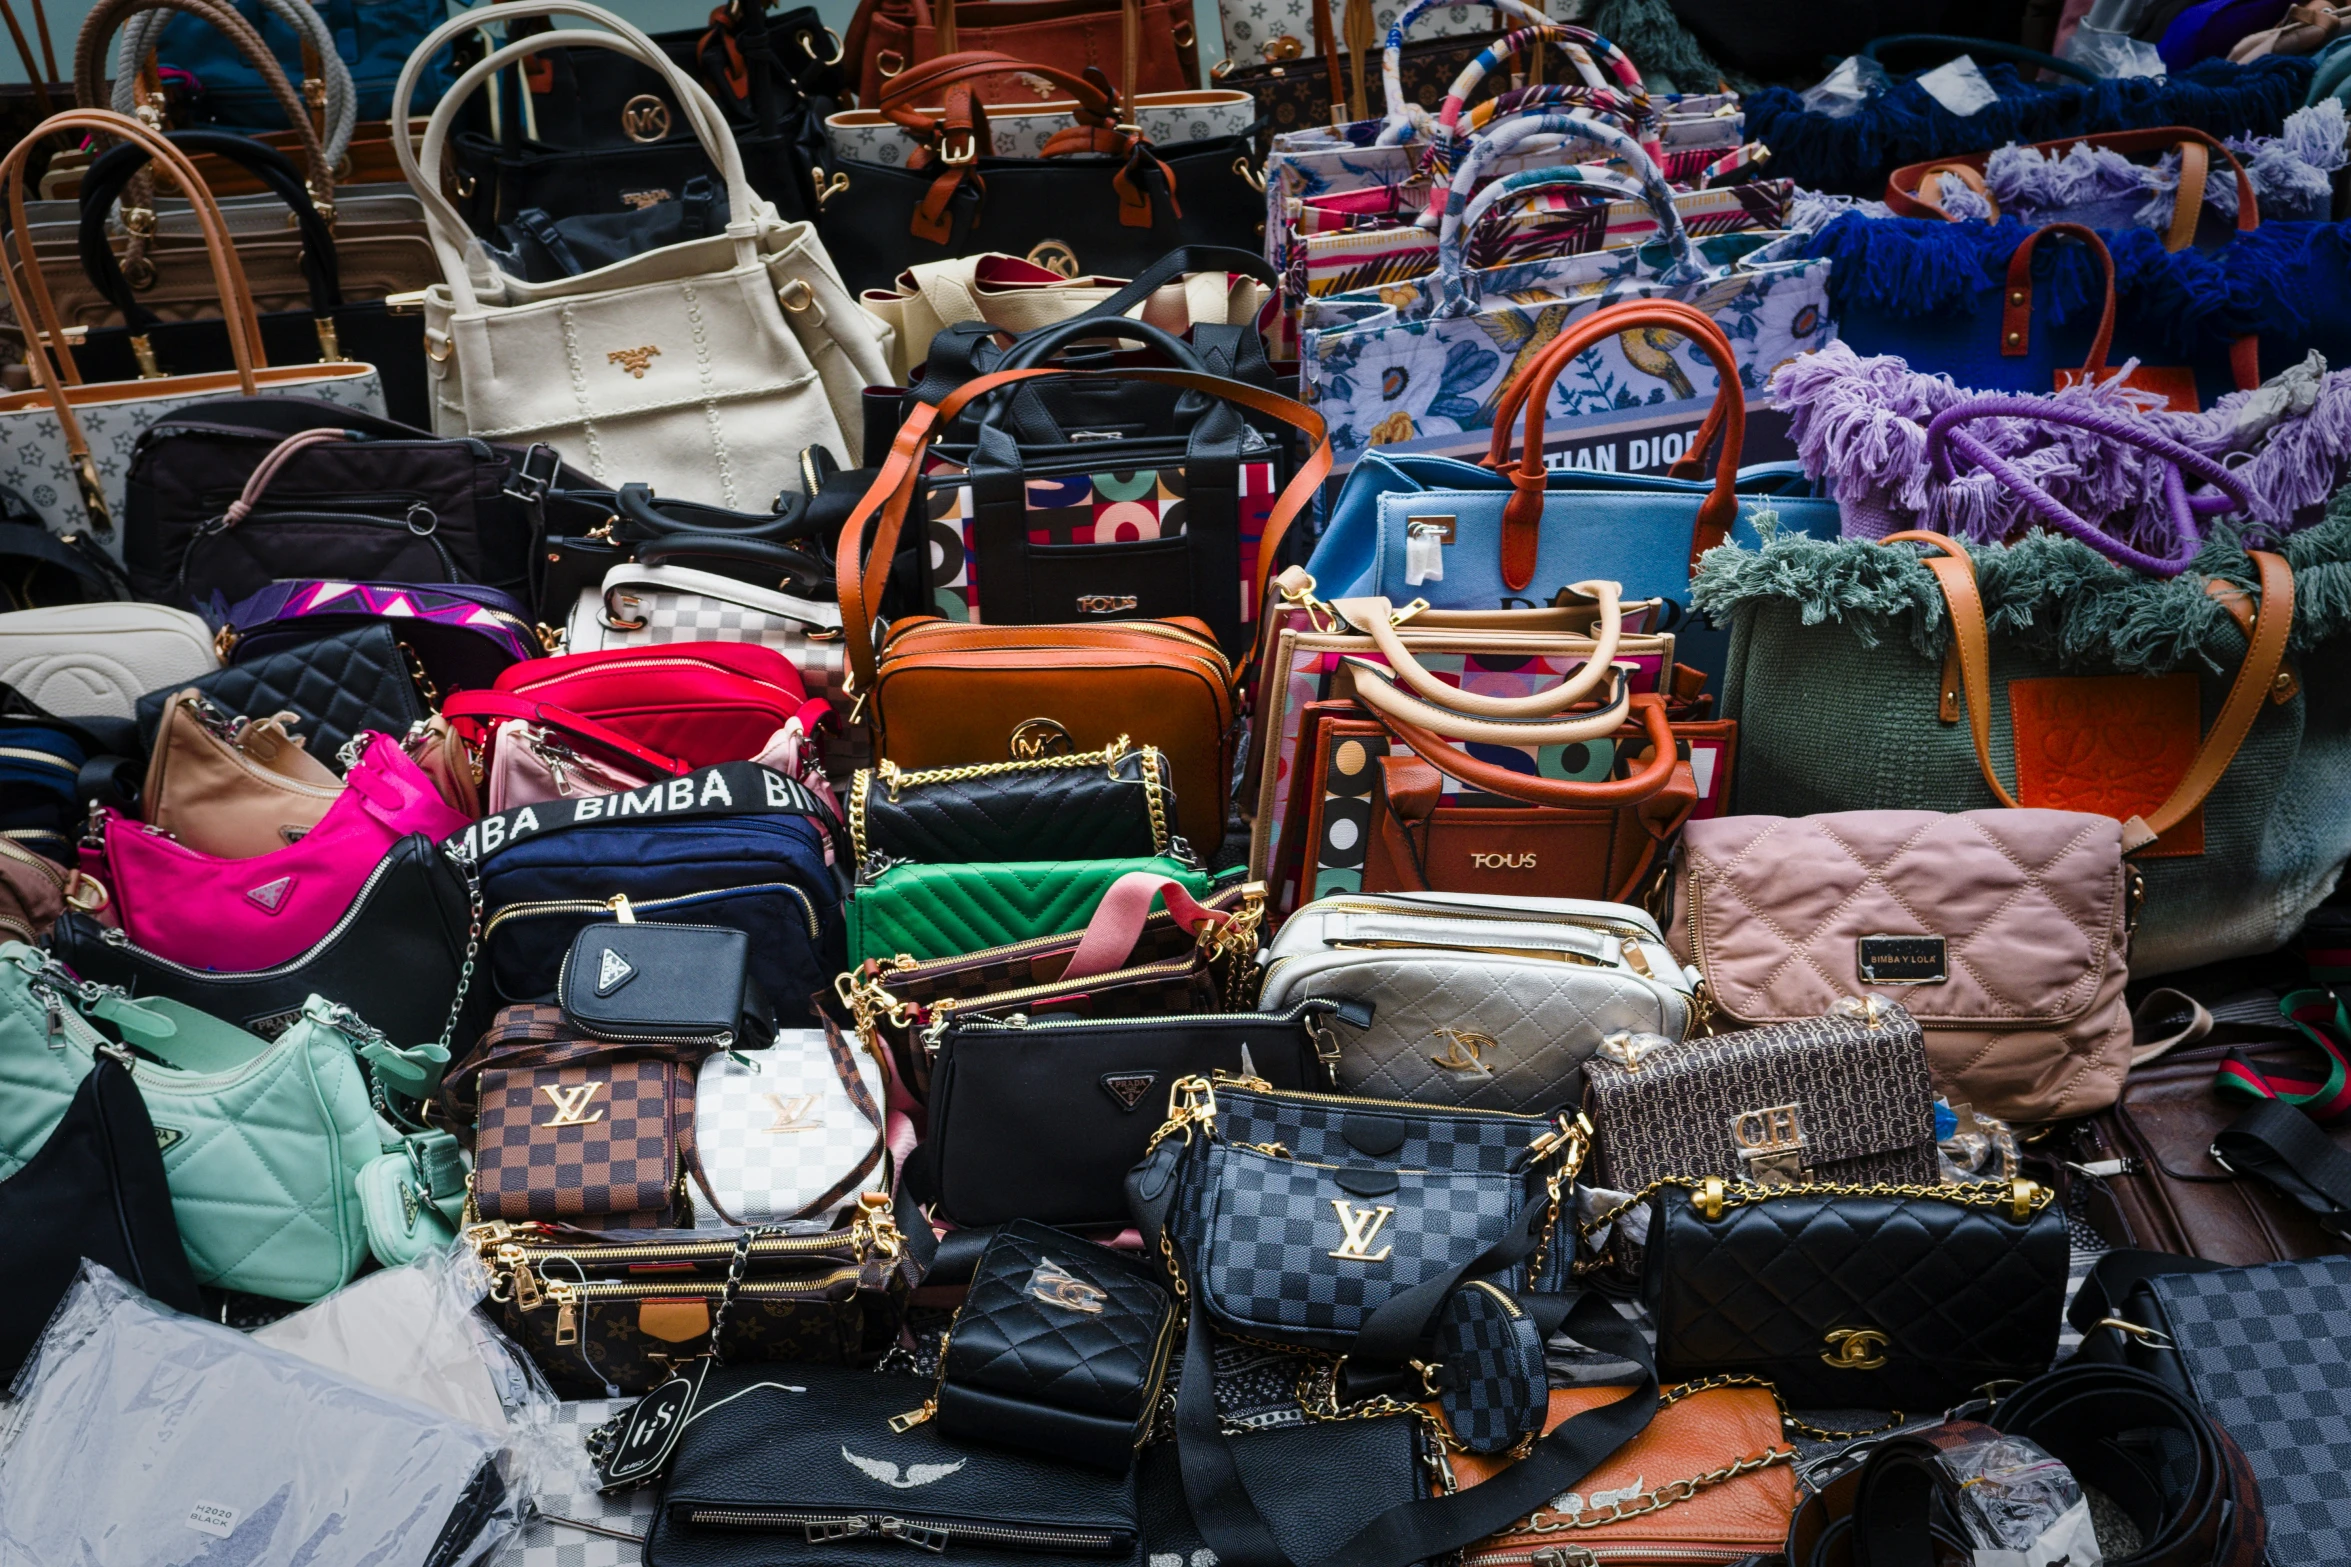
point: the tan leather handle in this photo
(862, 567)
(34, 72)
(1376, 618)
(29, 299)
(1648, 710)
(1530, 389)
(2016, 299)
(1375, 687)
(1930, 200)
(2265, 655)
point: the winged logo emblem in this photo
(888, 1473)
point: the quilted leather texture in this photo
(1052, 1320)
(1045, 813)
(1495, 1388)
(1959, 1295)
(338, 686)
(2030, 1023)
(1860, 1100)
(940, 911)
(2267, 1359)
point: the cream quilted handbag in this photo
(1484, 1001)
(97, 660)
(702, 369)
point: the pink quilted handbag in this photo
(2005, 933)
(238, 915)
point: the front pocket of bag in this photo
(243, 560)
(1146, 578)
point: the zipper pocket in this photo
(430, 534)
(926, 1534)
(682, 900)
(19, 753)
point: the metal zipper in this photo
(1028, 1025)
(637, 664)
(948, 1010)
(1593, 1555)
(1404, 910)
(115, 938)
(1222, 1079)
(58, 874)
(594, 1290)
(591, 906)
(928, 1534)
(19, 753)
(659, 1251)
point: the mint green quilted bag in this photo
(945, 911)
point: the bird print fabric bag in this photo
(1422, 364)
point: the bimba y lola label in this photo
(1903, 960)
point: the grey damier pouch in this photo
(1839, 1098)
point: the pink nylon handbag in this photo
(238, 915)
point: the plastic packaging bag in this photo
(2103, 42)
(1844, 90)
(1959, 85)
(150, 1439)
(415, 1331)
(2018, 1506)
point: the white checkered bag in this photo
(792, 1134)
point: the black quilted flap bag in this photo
(1856, 1297)
(1298, 1217)
(339, 686)
(1113, 804)
(1061, 1348)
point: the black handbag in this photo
(1060, 1347)
(96, 1189)
(1041, 1117)
(331, 329)
(538, 246)
(339, 686)
(1113, 804)
(489, 504)
(397, 958)
(802, 1464)
(1846, 1299)
(587, 130)
(1108, 212)
(1320, 1482)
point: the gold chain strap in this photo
(1542, 1521)
(859, 782)
(892, 779)
(1713, 1196)
(1153, 795)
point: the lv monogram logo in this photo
(1855, 1349)
(636, 361)
(1463, 1051)
(571, 1104)
(1362, 1227)
(794, 1113)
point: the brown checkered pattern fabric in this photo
(578, 1142)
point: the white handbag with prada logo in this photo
(792, 1134)
(1481, 1001)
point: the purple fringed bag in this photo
(2103, 455)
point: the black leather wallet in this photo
(1061, 1348)
(800, 1463)
(661, 983)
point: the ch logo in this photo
(571, 1104)
(1524, 861)
(1362, 1227)
(1855, 1349)
(794, 1113)
(1463, 1053)
(1055, 1287)
(1037, 738)
(636, 361)
(644, 118)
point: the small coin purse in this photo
(664, 985)
(1060, 1348)
(1492, 1385)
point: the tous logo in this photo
(636, 361)
(1105, 603)
(1522, 861)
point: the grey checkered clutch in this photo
(1837, 1098)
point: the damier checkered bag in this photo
(792, 1134)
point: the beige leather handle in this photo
(1375, 688)
(1656, 778)
(2265, 655)
(1376, 618)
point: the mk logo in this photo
(271, 895)
(1105, 603)
(641, 199)
(1362, 1227)
(1503, 862)
(1128, 1088)
(1855, 1349)
(571, 1104)
(794, 1113)
(1463, 1050)
(644, 118)
(636, 361)
(1054, 256)
(612, 972)
(1040, 737)
(1055, 1287)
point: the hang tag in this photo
(135, 1022)
(1960, 87)
(649, 1434)
(1424, 557)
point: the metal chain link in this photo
(892, 779)
(1542, 1521)
(473, 941)
(1738, 1194)
(726, 1295)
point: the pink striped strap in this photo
(1118, 921)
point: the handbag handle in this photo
(1646, 708)
(276, 458)
(1130, 54)
(1377, 689)
(475, 715)
(863, 569)
(2256, 682)
(1627, 91)
(1377, 619)
(48, 354)
(2016, 303)
(322, 68)
(1399, 111)
(2013, 54)
(796, 571)
(1909, 194)
(1118, 921)
(1946, 433)
(1646, 185)
(1522, 514)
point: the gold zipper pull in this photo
(618, 903)
(915, 1417)
(567, 1315)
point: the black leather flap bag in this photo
(1848, 1301)
(1060, 1347)
(339, 686)
(665, 983)
(1113, 804)
(801, 1464)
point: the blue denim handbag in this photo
(1399, 516)
(737, 845)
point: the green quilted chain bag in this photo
(944, 911)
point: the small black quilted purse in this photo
(1113, 804)
(1061, 1348)
(1856, 1297)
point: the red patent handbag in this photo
(671, 707)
